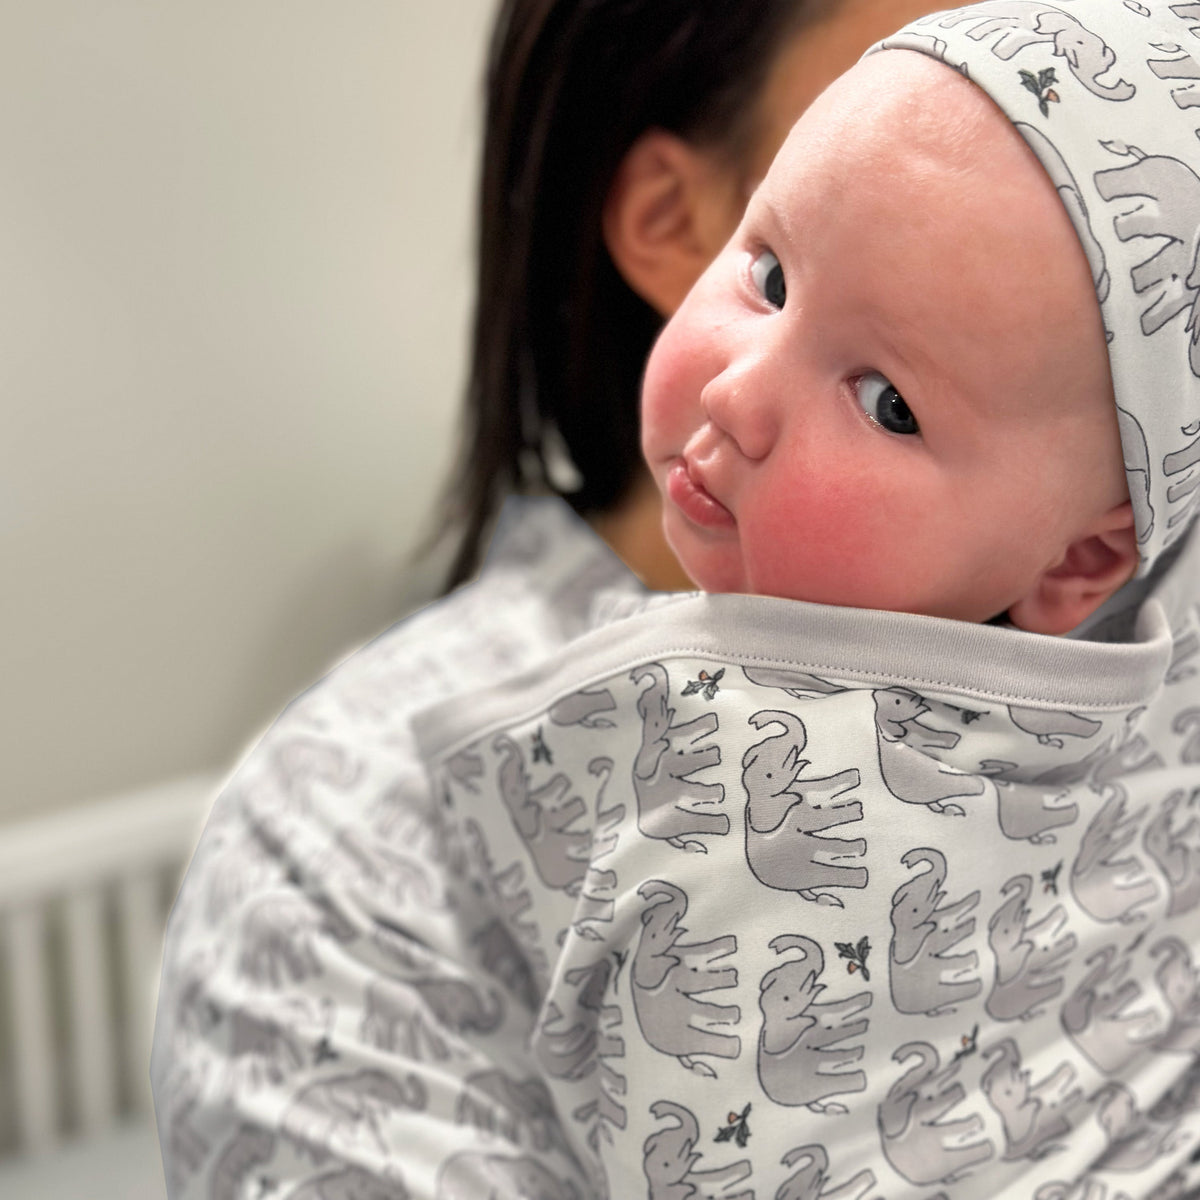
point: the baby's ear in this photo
(1092, 569)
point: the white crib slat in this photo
(33, 1052)
(93, 1052)
(141, 945)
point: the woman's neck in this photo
(633, 531)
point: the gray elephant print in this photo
(1172, 840)
(304, 764)
(269, 1043)
(496, 1103)
(787, 814)
(394, 1019)
(1180, 985)
(471, 1176)
(353, 1183)
(669, 975)
(1170, 217)
(669, 1161)
(670, 802)
(184, 1147)
(803, 1055)
(1182, 490)
(1184, 649)
(1034, 1116)
(1023, 23)
(1180, 68)
(1137, 472)
(1031, 956)
(1072, 198)
(279, 937)
(584, 1039)
(345, 1114)
(909, 773)
(547, 818)
(1187, 724)
(810, 1178)
(586, 708)
(926, 977)
(1101, 1015)
(1106, 885)
(1135, 1139)
(916, 1138)
(1027, 811)
(1050, 726)
(245, 1152)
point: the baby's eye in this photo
(767, 275)
(884, 405)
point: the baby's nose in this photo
(743, 409)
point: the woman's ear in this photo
(669, 210)
(1092, 569)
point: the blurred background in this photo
(235, 250)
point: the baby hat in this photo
(1107, 95)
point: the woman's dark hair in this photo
(560, 340)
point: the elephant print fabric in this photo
(797, 914)
(1107, 96)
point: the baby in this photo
(840, 878)
(891, 390)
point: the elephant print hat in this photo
(826, 902)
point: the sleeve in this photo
(340, 1015)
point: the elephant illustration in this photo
(495, 1102)
(925, 976)
(353, 1183)
(1031, 956)
(1180, 68)
(248, 1149)
(460, 1006)
(787, 812)
(269, 1042)
(569, 1039)
(502, 956)
(669, 756)
(304, 763)
(547, 820)
(668, 975)
(345, 1114)
(1179, 983)
(1023, 23)
(1050, 726)
(1072, 198)
(1100, 1016)
(1034, 1116)
(1172, 840)
(584, 708)
(1137, 472)
(472, 1176)
(909, 773)
(184, 1146)
(1027, 811)
(669, 1161)
(1187, 724)
(919, 1144)
(810, 1178)
(1108, 887)
(394, 1019)
(1184, 649)
(803, 1058)
(1135, 1139)
(1169, 215)
(280, 934)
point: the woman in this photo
(345, 1006)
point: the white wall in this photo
(234, 274)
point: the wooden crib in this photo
(84, 896)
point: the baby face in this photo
(890, 390)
